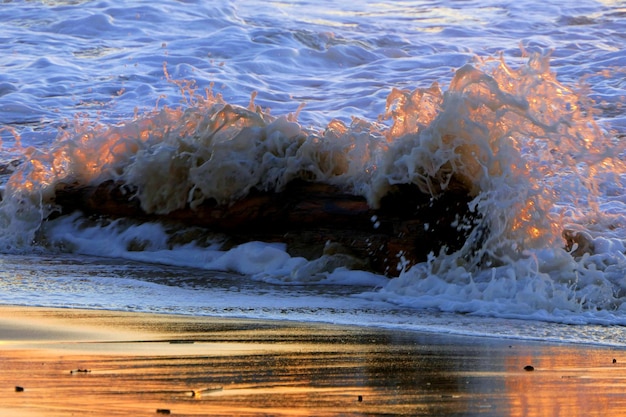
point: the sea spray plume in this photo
(509, 135)
(542, 162)
(480, 132)
(465, 138)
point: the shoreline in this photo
(101, 362)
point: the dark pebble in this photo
(19, 389)
(529, 368)
(163, 411)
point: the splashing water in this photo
(531, 150)
(525, 147)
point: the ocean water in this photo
(186, 101)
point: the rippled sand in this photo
(79, 362)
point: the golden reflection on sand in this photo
(568, 382)
(76, 362)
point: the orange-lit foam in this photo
(506, 133)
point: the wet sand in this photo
(82, 362)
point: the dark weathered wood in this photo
(307, 217)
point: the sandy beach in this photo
(65, 362)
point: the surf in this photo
(525, 148)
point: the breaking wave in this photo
(543, 175)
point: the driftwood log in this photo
(310, 218)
